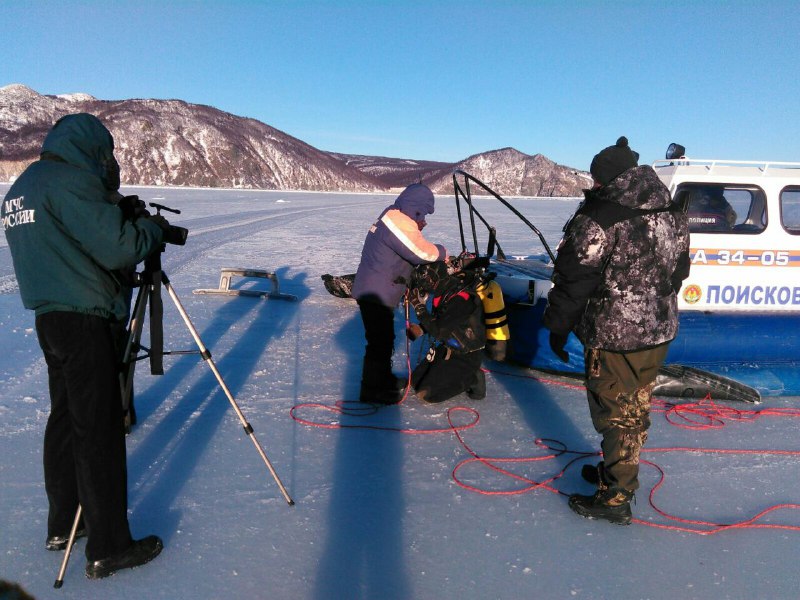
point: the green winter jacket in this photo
(65, 238)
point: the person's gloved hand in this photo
(414, 331)
(132, 207)
(557, 343)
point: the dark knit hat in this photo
(611, 162)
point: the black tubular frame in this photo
(466, 196)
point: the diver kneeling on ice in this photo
(456, 326)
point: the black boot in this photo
(138, 553)
(59, 542)
(378, 384)
(609, 504)
(380, 395)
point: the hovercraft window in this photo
(723, 208)
(790, 209)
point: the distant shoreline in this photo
(390, 194)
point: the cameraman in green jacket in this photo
(67, 242)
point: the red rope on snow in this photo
(701, 415)
(707, 414)
(704, 414)
(361, 409)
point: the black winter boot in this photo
(59, 542)
(138, 553)
(609, 504)
(382, 395)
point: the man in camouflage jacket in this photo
(619, 267)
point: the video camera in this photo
(133, 208)
(174, 234)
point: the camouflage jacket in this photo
(620, 265)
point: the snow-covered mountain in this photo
(510, 172)
(507, 171)
(397, 172)
(172, 142)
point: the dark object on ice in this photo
(477, 391)
(496, 349)
(340, 286)
(13, 591)
(688, 382)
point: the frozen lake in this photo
(379, 513)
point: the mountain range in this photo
(176, 143)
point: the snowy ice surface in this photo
(378, 513)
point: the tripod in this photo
(150, 281)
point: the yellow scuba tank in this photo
(494, 314)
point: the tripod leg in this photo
(73, 532)
(128, 365)
(156, 329)
(204, 352)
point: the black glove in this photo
(132, 207)
(557, 343)
(414, 331)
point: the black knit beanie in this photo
(611, 162)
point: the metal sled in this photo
(228, 273)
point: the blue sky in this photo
(440, 80)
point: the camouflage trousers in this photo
(619, 387)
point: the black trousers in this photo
(84, 441)
(444, 373)
(379, 331)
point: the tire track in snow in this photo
(205, 234)
(207, 238)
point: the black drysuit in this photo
(453, 362)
